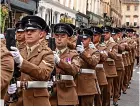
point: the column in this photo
(43, 13)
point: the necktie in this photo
(59, 53)
(29, 51)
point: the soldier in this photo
(119, 66)
(109, 64)
(7, 68)
(98, 40)
(20, 35)
(35, 63)
(67, 66)
(87, 84)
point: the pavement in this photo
(132, 96)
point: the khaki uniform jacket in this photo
(86, 82)
(65, 91)
(100, 71)
(119, 61)
(7, 68)
(109, 64)
(36, 67)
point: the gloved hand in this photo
(12, 88)
(92, 46)
(50, 84)
(104, 52)
(80, 48)
(56, 58)
(17, 57)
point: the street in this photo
(132, 96)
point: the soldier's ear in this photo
(41, 35)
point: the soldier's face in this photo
(32, 37)
(61, 40)
(107, 35)
(115, 37)
(20, 36)
(86, 42)
(96, 38)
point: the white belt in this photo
(124, 52)
(119, 55)
(109, 59)
(99, 65)
(34, 84)
(66, 77)
(1, 102)
(88, 71)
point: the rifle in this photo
(102, 39)
(10, 41)
(78, 41)
(52, 46)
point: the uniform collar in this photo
(32, 48)
(61, 51)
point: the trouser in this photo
(132, 66)
(99, 97)
(107, 92)
(137, 58)
(87, 100)
(129, 73)
(121, 82)
(125, 81)
(117, 82)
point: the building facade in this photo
(81, 17)
(131, 12)
(115, 12)
(55, 11)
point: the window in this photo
(128, 8)
(136, 8)
(135, 23)
(127, 23)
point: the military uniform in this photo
(100, 71)
(119, 67)
(109, 67)
(86, 81)
(64, 92)
(7, 68)
(38, 63)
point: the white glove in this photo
(80, 48)
(17, 57)
(104, 52)
(50, 84)
(12, 88)
(56, 58)
(91, 45)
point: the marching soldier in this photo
(87, 84)
(67, 67)
(35, 63)
(109, 64)
(119, 66)
(98, 40)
